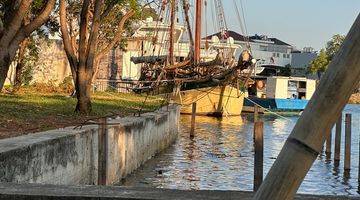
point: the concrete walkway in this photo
(45, 192)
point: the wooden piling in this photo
(359, 169)
(347, 142)
(193, 115)
(256, 112)
(338, 140)
(102, 148)
(328, 145)
(308, 136)
(259, 154)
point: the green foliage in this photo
(67, 85)
(27, 74)
(320, 63)
(31, 55)
(31, 58)
(325, 56)
(8, 8)
(334, 45)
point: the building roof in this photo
(279, 42)
(233, 34)
(239, 37)
(275, 40)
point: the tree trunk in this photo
(4, 66)
(308, 136)
(83, 92)
(20, 65)
(18, 75)
(96, 70)
(15, 33)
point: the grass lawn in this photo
(29, 111)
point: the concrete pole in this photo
(308, 136)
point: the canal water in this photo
(221, 156)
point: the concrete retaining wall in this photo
(70, 156)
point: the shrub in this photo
(67, 85)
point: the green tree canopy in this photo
(325, 56)
(333, 46)
(320, 63)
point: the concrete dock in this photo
(50, 192)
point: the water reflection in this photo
(221, 157)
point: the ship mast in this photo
(221, 18)
(198, 31)
(172, 31)
(187, 19)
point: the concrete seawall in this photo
(70, 156)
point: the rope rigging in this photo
(166, 67)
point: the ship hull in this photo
(212, 101)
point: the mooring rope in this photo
(271, 112)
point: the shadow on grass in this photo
(19, 113)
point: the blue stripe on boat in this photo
(291, 104)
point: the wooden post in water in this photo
(359, 168)
(259, 154)
(256, 112)
(102, 149)
(193, 115)
(328, 145)
(308, 136)
(347, 154)
(256, 117)
(338, 141)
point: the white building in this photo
(301, 61)
(268, 51)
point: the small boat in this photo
(278, 93)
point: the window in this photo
(284, 55)
(302, 84)
(274, 54)
(278, 55)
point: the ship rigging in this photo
(208, 65)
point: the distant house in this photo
(301, 61)
(268, 50)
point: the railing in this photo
(114, 85)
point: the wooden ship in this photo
(215, 83)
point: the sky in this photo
(301, 23)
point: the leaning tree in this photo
(90, 29)
(18, 20)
